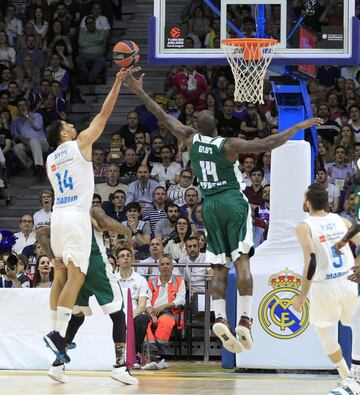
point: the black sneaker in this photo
(56, 343)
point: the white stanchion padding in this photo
(25, 319)
(283, 338)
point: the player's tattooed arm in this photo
(237, 145)
(181, 132)
(43, 237)
(304, 237)
(107, 223)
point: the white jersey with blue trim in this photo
(71, 177)
(325, 232)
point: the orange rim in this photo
(252, 47)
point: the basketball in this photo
(126, 53)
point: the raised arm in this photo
(304, 236)
(97, 126)
(181, 132)
(107, 223)
(235, 146)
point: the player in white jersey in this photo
(333, 297)
(71, 175)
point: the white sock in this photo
(53, 317)
(355, 370)
(245, 305)
(62, 320)
(219, 306)
(342, 369)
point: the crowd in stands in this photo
(143, 175)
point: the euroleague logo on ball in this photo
(175, 32)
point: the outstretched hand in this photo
(310, 122)
(133, 84)
(124, 73)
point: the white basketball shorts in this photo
(332, 301)
(71, 236)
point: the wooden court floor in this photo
(179, 380)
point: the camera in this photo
(11, 262)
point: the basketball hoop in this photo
(249, 59)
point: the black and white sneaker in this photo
(122, 374)
(56, 343)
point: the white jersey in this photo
(325, 232)
(71, 177)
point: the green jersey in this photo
(357, 202)
(215, 173)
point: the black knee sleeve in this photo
(119, 326)
(73, 327)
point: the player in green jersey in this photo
(225, 210)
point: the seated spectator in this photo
(128, 131)
(44, 273)
(56, 89)
(140, 230)
(26, 236)
(63, 15)
(27, 74)
(186, 116)
(176, 245)
(155, 213)
(28, 133)
(11, 278)
(33, 252)
(167, 172)
(329, 129)
(49, 112)
(36, 55)
(99, 166)
(339, 171)
(262, 212)
(36, 98)
(140, 294)
(13, 25)
(112, 183)
(56, 33)
(325, 152)
(66, 61)
(59, 74)
(166, 228)
(39, 22)
(115, 207)
(199, 24)
(28, 30)
(248, 165)
(354, 161)
(254, 123)
(354, 121)
(213, 33)
(228, 125)
(346, 138)
(194, 276)
(92, 46)
(334, 106)
(189, 9)
(191, 198)
(5, 104)
(142, 190)
(155, 154)
(7, 53)
(101, 22)
(42, 217)
(196, 219)
(189, 83)
(130, 166)
(5, 138)
(349, 207)
(15, 94)
(117, 148)
(166, 136)
(254, 192)
(6, 77)
(265, 163)
(332, 190)
(141, 148)
(176, 193)
(167, 294)
(220, 90)
(210, 101)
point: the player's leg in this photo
(329, 342)
(244, 284)
(141, 323)
(60, 277)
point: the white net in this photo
(249, 70)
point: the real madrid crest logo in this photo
(276, 316)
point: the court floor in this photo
(171, 381)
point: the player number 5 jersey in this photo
(325, 232)
(71, 177)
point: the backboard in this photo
(308, 32)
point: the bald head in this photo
(206, 123)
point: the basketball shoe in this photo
(57, 373)
(56, 343)
(222, 330)
(122, 374)
(348, 386)
(243, 330)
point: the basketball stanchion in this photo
(249, 59)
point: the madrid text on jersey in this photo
(66, 199)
